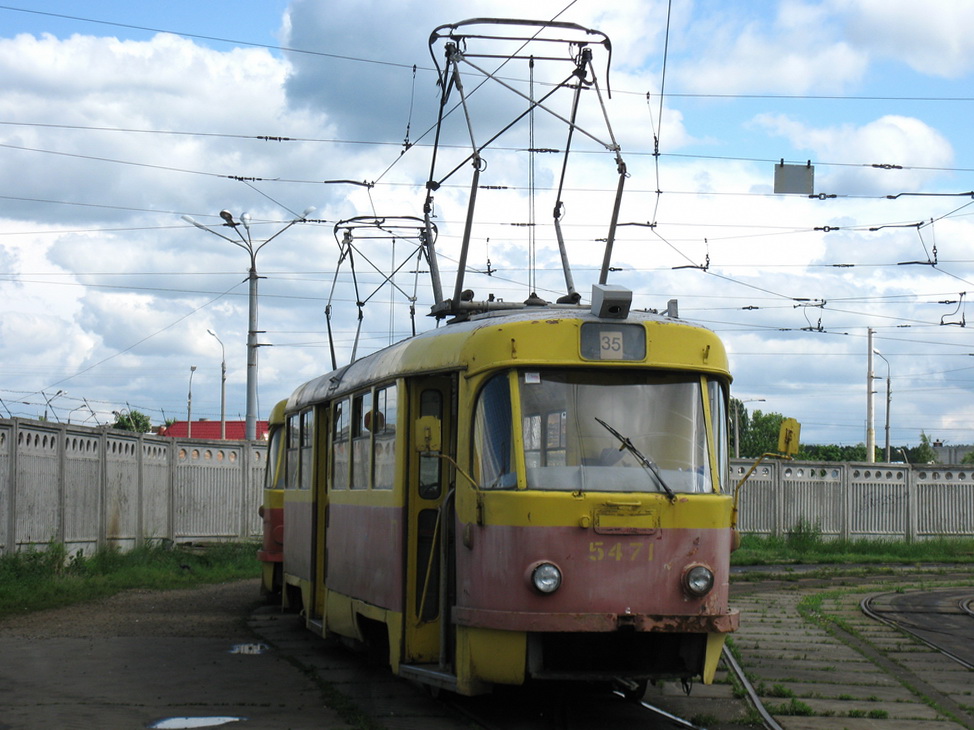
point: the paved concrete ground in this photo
(141, 657)
(844, 681)
(144, 656)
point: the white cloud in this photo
(932, 37)
(889, 140)
(115, 265)
(798, 51)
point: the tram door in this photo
(429, 521)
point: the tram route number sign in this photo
(610, 345)
(603, 341)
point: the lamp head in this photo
(228, 217)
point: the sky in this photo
(118, 120)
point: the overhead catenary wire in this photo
(671, 239)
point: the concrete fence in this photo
(92, 487)
(852, 501)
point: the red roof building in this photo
(210, 430)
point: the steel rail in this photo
(866, 607)
(733, 666)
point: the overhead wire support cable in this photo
(658, 131)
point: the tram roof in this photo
(445, 349)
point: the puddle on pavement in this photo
(185, 723)
(249, 649)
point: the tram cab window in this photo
(492, 435)
(430, 465)
(276, 459)
(719, 416)
(340, 444)
(567, 448)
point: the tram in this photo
(521, 496)
(536, 491)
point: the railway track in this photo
(574, 709)
(938, 619)
(812, 652)
(806, 655)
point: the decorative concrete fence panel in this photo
(90, 487)
(857, 501)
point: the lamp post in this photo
(247, 244)
(189, 404)
(889, 397)
(737, 423)
(870, 403)
(223, 387)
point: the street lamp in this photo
(223, 387)
(737, 423)
(47, 402)
(189, 404)
(889, 396)
(247, 244)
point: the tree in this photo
(924, 453)
(758, 431)
(132, 421)
(832, 452)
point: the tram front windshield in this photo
(596, 431)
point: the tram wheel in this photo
(636, 694)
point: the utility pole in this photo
(870, 404)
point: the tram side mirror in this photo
(788, 437)
(427, 434)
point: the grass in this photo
(51, 578)
(805, 544)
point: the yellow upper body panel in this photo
(532, 337)
(598, 510)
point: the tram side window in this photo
(340, 444)
(293, 451)
(382, 423)
(493, 445)
(307, 451)
(361, 442)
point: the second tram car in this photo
(537, 495)
(271, 553)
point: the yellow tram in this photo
(531, 495)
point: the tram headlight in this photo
(698, 581)
(546, 577)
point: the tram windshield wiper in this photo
(643, 460)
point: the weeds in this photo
(50, 578)
(792, 707)
(806, 543)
